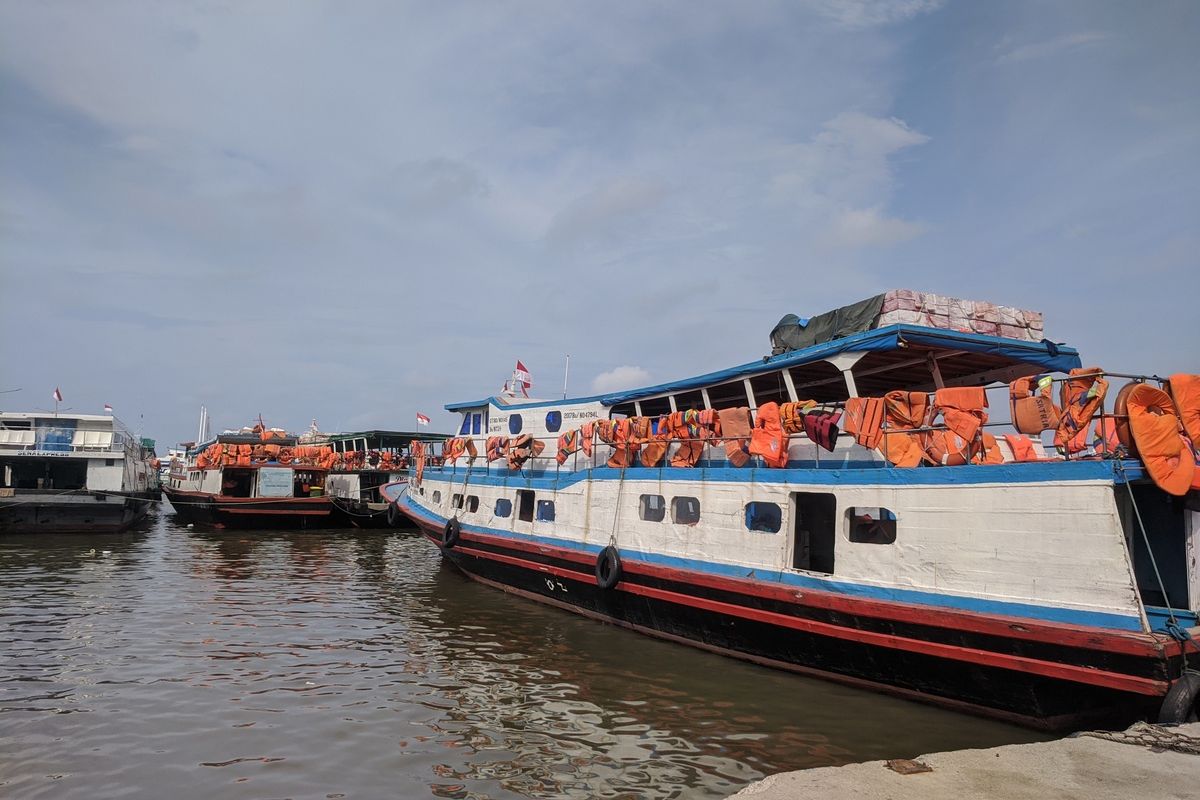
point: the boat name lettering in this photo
(44, 454)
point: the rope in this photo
(1156, 737)
(1172, 622)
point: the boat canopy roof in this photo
(385, 439)
(898, 356)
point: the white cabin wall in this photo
(104, 478)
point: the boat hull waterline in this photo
(1041, 675)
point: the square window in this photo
(652, 507)
(685, 510)
(503, 507)
(545, 511)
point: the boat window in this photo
(514, 424)
(685, 510)
(728, 395)
(437, 497)
(652, 507)
(466, 425)
(472, 504)
(503, 507)
(656, 407)
(622, 411)
(553, 421)
(456, 501)
(692, 399)
(476, 423)
(769, 387)
(525, 505)
(545, 511)
(765, 517)
(813, 527)
(823, 382)
(870, 525)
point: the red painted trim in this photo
(279, 512)
(1030, 630)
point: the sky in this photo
(352, 212)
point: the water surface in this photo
(181, 663)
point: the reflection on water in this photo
(355, 664)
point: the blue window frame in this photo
(545, 511)
(476, 423)
(553, 421)
(504, 507)
(514, 424)
(466, 426)
(764, 517)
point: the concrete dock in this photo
(1146, 762)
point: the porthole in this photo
(553, 421)
(514, 424)
(764, 517)
(503, 507)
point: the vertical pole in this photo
(566, 372)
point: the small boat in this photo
(73, 473)
(364, 462)
(845, 508)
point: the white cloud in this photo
(868, 227)
(619, 378)
(870, 13)
(1051, 47)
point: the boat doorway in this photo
(1173, 531)
(813, 531)
(237, 482)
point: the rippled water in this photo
(179, 663)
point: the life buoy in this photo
(450, 533)
(393, 515)
(1180, 703)
(1121, 419)
(608, 568)
(1185, 391)
(1162, 448)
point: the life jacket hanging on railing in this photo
(906, 411)
(1021, 446)
(685, 427)
(1185, 393)
(587, 438)
(735, 430)
(864, 420)
(654, 448)
(1031, 407)
(1162, 447)
(1081, 395)
(568, 444)
(767, 440)
(623, 449)
(496, 447)
(791, 415)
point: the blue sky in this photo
(354, 212)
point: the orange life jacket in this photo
(864, 420)
(991, 451)
(1165, 452)
(587, 438)
(964, 410)
(768, 441)
(1080, 398)
(735, 428)
(1021, 446)
(1032, 409)
(496, 447)
(1185, 392)
(904, 411)
(568, 443)
(947, 448)
(791, 415)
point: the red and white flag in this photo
(521, 375)
(422, 419)
(107, 408)
(57, 395)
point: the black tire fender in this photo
(1180, 703)
(608, 568)
(450, 533)
(394, 515)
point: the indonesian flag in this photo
(107, 408)
(521, 375)
(57, 395)
(422, 419)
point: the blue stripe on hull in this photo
(1091, 619)
(973, 474)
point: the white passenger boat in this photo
(844, 508)
(72, 473)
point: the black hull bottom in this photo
(291, 513)
(1028, 699)
(83, 517)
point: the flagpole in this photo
(566, 372)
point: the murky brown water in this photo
(182, 664)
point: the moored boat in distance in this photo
(253, 478)
(73, 473)
(844, 508)
(365, 461)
